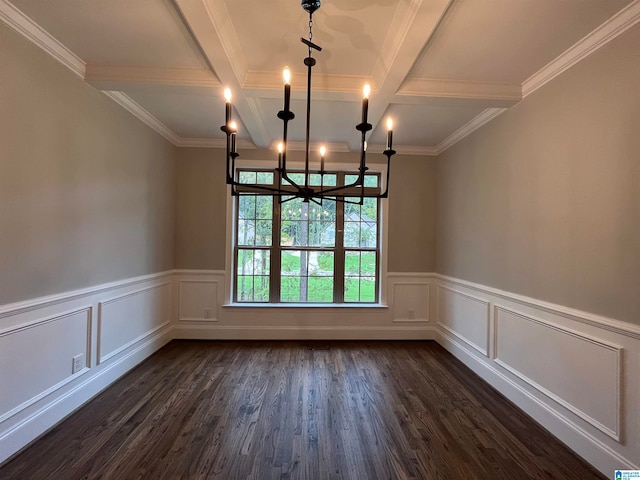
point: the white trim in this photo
(616, 326)
(101, 359)
(288, 332)
(447, 88)
(468, 128)
(69, 378)
(140, 113)
(33, 32)
(591, 43)
(589, 447)
(42, 302)
(30, 428)
(613, 433)
(484, 350)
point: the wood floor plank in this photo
(281, 410)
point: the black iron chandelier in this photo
(285, 187)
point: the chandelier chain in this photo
(310, 31)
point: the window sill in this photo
(304, 305)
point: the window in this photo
(297, 252)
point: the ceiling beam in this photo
(119, 78)
(411, 29)
(210, 24)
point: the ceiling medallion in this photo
(305, 188)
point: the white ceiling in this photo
(439, 67)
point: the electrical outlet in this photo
(78, 361)
(412, 314)
(207, 313)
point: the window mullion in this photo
(276, 253)
(338, 272)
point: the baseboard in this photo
(303, 333)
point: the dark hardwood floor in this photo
(279, 410)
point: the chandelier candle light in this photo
(354, 192)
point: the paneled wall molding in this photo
(25, 306)
(613, 375)
(476, 333)
(84, 315)
(616, 326)
(574, 372)
(56, 342)
(103, 318)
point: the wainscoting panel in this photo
(410, 300)
(37, 358)
(198, 301)
(198, 291)
(574, 372)
(39, 339)
(562, 364)
(125, 319)
(465, 316)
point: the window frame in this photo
(379, 250)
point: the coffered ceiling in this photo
(440, 68)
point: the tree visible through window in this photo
(302, 252)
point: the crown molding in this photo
(609, 30)
(270, 81)
(443, 88)
(212, 143)
(33, 32)
(132, 107)
(468, 128)
(409, 150)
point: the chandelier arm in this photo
(352, 193)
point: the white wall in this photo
(576, 373)
(113, 326)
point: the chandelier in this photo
(287, 186)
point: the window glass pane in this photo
(368, 263)
(351, 289)
(247, 206)
(352, 264)
(245, 262)
(290, 262)
(253, 289)
(290, 289)
(264, 207)
(313, 271)
(265, 178)
(367, 289)
(326, 180)
(246, 232)
(297, 178)
(370, 180)
(351, 234)
(263, 233)
(247, 177)
(320, 289)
